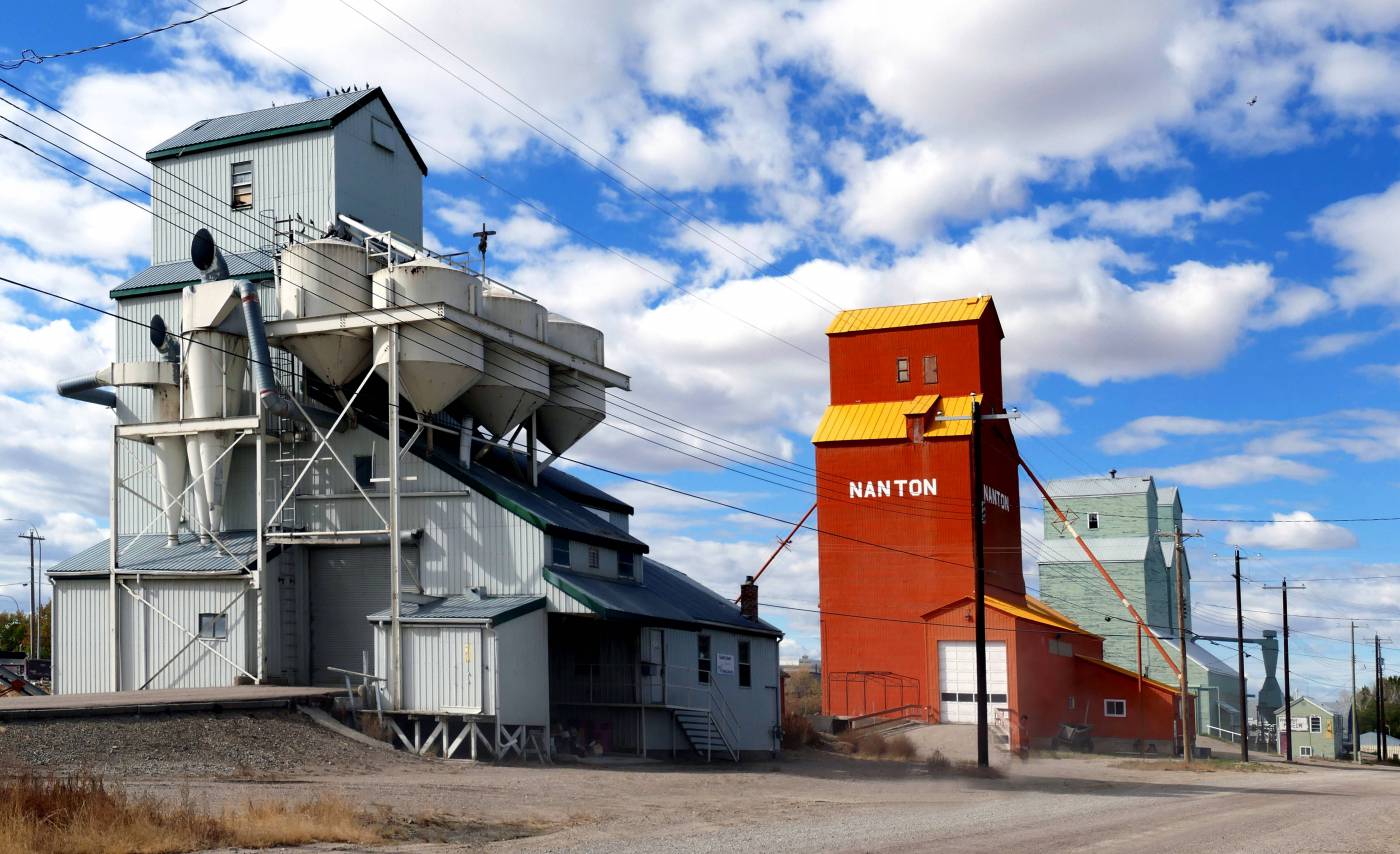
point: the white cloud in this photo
(1154, 431)
(1177, 213)
(669, 152)
(1236, 469)
(1362, 228)
(1336, 343)
(1292, 531)
(1357, 79)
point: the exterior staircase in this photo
(705, 734)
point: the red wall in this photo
(969, 360)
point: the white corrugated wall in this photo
(80, 641)
(442, 667)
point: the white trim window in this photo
(241, 195)
(213, 626)
(1314, 724)
(1305, 750)
(1093, 521)
(1115, 708)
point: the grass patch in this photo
(939, 765)
(1205, 766)
(84, 815)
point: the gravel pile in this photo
(248, 745)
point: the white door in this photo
(957, 680)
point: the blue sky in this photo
(1193, 286)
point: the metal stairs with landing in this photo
(704, 733)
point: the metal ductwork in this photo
(89, 388)
(207, 257)
(274, 400)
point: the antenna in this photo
(481, 246)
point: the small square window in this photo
(1093, 521)
(901, 369)
(560, 547)
(702, 664)
(1305, 750)
(213, 626)
(625, 566)
(594, 560)
(382, 134)
(930, 369)
(745, 666)
(1115, 708)
(242, 185)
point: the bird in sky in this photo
(1253, 101)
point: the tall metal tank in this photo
(576, 403)
(513, 384)
(437, 362)
(319, 278)
(215, 365)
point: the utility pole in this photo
(1355, 744)
(979, 572)
(1188, 728)
(1239, 631)
(1381, 736)
(1287, 685)
(32, 535)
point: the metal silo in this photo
(326, 277)
(437, 362)
(576, 403)
(514, 384)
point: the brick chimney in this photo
(748, 599)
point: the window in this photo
(242, 196)
(1070, 706)
(745, 666)
(1305, 750)
(1315, 724)
(625, 566)
(561, 551)
(901, 369)
(702, 664)
(364, 471)
(930, 369)
(1093, 521)
(593, 558)
(213, 626)
(1115, 708)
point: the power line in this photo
(29, 56)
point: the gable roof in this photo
(663, 596)
(914, 314)
(163, 278)
(283, 120)
(1033, 610)
(1309, 700)
(1087, 487)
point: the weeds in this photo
(901, 747)
(85, 815)
(798, 732)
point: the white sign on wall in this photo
(724, 664)
(910, 487)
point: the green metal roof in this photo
(492, 610)
(165, 278)
(283, 120)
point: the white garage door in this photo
(957, 680)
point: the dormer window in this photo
(241, 195)
(901, 369)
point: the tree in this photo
(14, 631)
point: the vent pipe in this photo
(207, 257)
(89, 389)
(274, 400)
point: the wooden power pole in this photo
(1188, 726)
(1287, 684)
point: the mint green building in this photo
(1315, 730)
(1127, 522)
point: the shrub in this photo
(872, 744)
(938, 764)
(901, 747)
(798, 732)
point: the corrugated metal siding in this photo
(917, 314)
(291, 175)
(382, 189)
(864, 421)
(522, 669)
(257, 121)
(347, 585)
(80, 641)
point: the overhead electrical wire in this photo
(30, 57)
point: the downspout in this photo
(89, 388)
(274, 401)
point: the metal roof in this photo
(301, 117)
(916, 314)
(1106, 549)
(953, 407)
(1086, 487)
(1202, 656)
(147, 553)
(167, 277)
(465, 608)
(663, 596)
(1166, 495)
(848, 422)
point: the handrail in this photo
(730, 738)
(851, 722)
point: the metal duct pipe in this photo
(274, 400)
(207, 257)
(89, 389)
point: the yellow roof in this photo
(953, 407)
(1038, 612)
(851, 422)
(916, 314)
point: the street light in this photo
(32, 535)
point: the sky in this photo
(1183, 211)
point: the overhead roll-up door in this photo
(347, 585)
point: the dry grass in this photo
(939, 765)
(798, 732)
(1205, 766)
(900, 747)
(84, 815)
